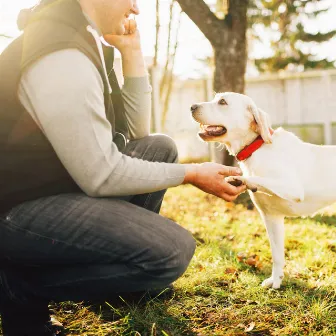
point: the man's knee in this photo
(167, 146)
(155, 147)
(187, 248)
(173, 259)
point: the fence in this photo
(304, 103)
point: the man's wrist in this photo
(133, 63)
(191, 174)
(129, 52)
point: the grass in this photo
(220, 294)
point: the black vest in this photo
(29, 167)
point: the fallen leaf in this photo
(241, 256)
(258, 264)
(201, 268)
(231, 271)
(252, 261)
(250, 327)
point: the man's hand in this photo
(210, 177)
(128, 42)
(130, 48)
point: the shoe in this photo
(23, 316)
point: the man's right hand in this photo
(210, 177)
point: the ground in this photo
(220, 294)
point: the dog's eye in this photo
(222, 102)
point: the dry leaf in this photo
(250, 327)
(252, 261)
(231, 271)
(201, 268)
(241, 256)
(258, 264)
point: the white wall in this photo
(303, 103)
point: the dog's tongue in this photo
(215, 130)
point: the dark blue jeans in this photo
(74, 247)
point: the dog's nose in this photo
(194, 107)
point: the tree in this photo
(228, 38)
(291, 43)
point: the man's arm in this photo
(64, 93)
(136, 90)
(137, 93)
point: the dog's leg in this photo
(276, 233)
(288, 189)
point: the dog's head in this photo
(230, 117)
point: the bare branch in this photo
(157, 33)
(200, 13)
(171, 76)
(168, 59)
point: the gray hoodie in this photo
(66, 81)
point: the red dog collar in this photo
(247, 151)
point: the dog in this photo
(285, 176)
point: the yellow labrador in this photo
(277, 165)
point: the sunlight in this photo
(192, 44)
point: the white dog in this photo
(290, 177)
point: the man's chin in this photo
(116, 31)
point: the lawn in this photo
(220, 294)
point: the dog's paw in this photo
(274, 282)
(237, 181)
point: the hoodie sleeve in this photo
(64, 94)
(137, 95)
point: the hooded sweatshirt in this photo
(62, 114)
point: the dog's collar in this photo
(247, 151)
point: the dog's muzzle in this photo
(212, 130)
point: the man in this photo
(82, 180)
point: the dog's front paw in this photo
(237, 181)
(274, 282)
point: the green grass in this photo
(220, 294)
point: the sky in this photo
(192, 44)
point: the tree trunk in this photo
(230, 53)
(230, 50)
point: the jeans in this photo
(71, 247)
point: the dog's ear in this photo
(262, 122)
